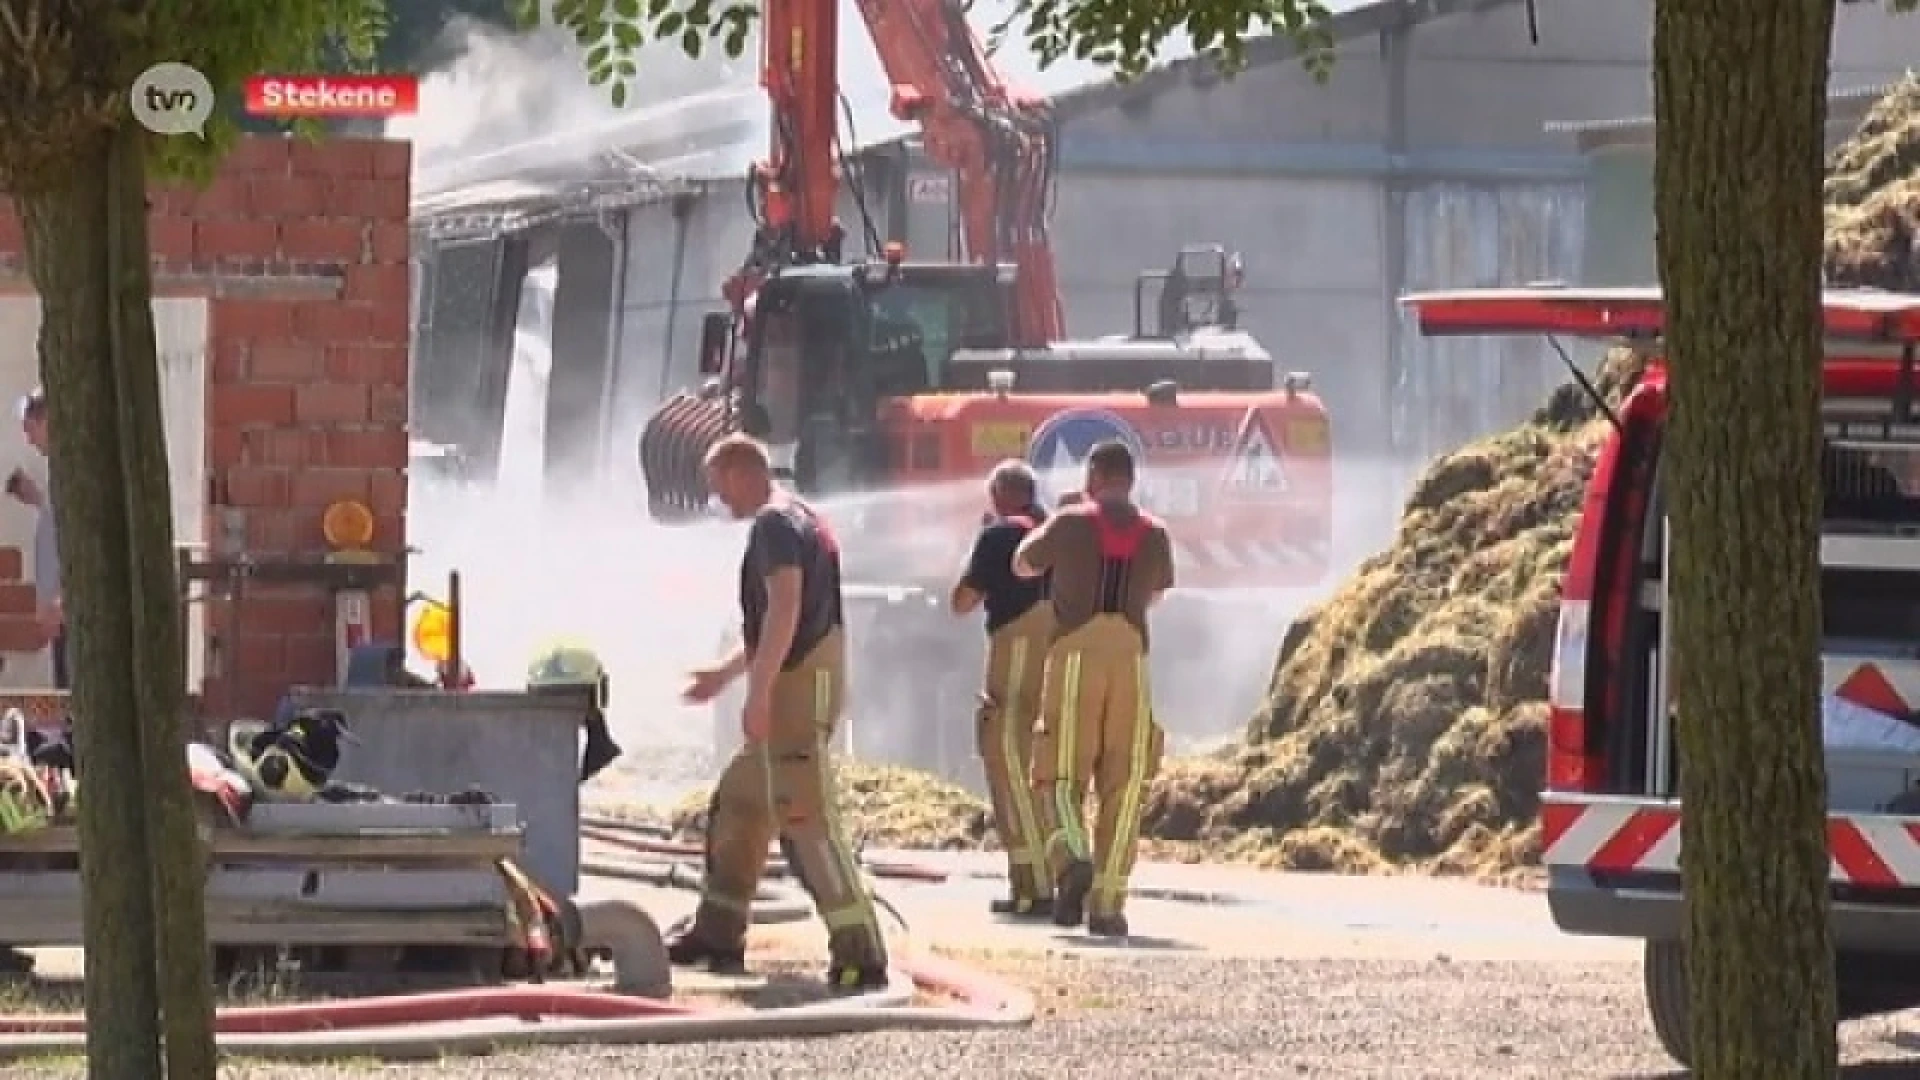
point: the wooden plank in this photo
(55, 921)
(374, 848)
(350, 890)
(343, 819)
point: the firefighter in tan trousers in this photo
(1107, 562)
(1019, 629)
(781, 783)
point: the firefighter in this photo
(1019, 628)
(780, 783)
(569, 667)
(1107, 561)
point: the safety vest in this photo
(1119, 545)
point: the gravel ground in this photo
(1180, 1017)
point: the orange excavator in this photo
(887, 387)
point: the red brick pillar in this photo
(301, 250)
(307, 390)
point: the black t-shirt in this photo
(990, 569)
(789, 533)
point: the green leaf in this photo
(670, 24)
(691, 41)
(626, 10)
(619, 95)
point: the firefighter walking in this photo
(1019, 629)
(1107, 562)
(780, 783)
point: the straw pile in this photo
(885, 806)
(1406, 722)
(1873, 197)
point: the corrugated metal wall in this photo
(1445, 392)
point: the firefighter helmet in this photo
(568, 665)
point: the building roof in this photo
(651, 152)
(1845, 109)
(1349, 20)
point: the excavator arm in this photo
(791, 193)
(998, 141)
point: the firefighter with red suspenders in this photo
(1019, 629)
(1107, 561)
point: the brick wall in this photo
(302, 252)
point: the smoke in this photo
(517, 104)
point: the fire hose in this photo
(485, 1020)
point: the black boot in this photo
(1022, 906)
(856, 978)
(1070, 896)
(1112, 925)
(686, 948)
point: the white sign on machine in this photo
(1058, 453)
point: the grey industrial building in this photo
(1435, 155)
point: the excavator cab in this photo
(827, 343)
(1195, 293)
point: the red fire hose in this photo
(477, 1021)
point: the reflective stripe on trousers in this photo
(1016, 655)
(1097, 728)
(784, 788)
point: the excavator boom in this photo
(793, 189)
(998, 141)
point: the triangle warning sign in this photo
(1255, 469)
(1869, 688)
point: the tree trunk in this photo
(158, 672)
(1740, 100)
(68, 241)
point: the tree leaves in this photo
(613, 32)
(1125, 34)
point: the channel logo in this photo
(172, 99)
(300, 97)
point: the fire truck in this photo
(1610, 814)
(887, 387)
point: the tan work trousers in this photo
(784, 787)
(1097, 725)
(1009, 709)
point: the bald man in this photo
(1019, 628)
(781, 781)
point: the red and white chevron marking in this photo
(1625, 835)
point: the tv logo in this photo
(172, 99)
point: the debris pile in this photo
(885, 806)
(1406, 724)
(1873, 197)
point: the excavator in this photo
(887, 387)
